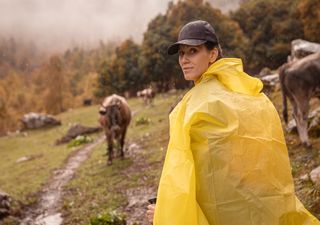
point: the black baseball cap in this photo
(194, 33)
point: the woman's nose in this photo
(184, 59)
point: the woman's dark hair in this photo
(210, 45)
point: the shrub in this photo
(110, 218)
(79, 140)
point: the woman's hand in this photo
(150, 212)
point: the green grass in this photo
(22, 180)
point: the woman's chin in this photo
(187, 76)
(190, 77)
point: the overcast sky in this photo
(59, 23)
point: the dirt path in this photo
(47, 210)
(137, 197)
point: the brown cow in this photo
(300, 81)
(115, 116)
(147, 95)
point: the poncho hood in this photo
(229, 71)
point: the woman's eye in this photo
(193, 50)
(181, 53)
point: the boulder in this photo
(75, 131)
(37, 120)
(264, 72)
(5, 205)
(270, 82)
(315, 175)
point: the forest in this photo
(259, 31)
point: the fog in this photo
(57, 24)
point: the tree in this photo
(309, 14)
(270, 25)
(55, 92)
(122, 72)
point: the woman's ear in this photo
(213, 55)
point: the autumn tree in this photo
(56, 86)
(121, 73)
(270, 26)
(309, 14)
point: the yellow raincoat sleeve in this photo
(178, 179)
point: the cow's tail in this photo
(282, 74)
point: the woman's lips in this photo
(187, 69)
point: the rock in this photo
(28, 158)
(264, 72)
(23, 159)
(270, 82)
(5, 205)
(315, 175)
(75, 131)
(133, 147)
(36, 120)
(301, 48)
(304, 177)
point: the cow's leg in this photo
(122, 138)
(110, 150)
(301, 118)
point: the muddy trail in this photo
(47, 211)
(137, 197)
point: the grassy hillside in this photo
(126, 185)
(21, 180)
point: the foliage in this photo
(309, 14)
(121, 73)
(54, 98)
(17, 54)
(270, 25)
(79, 140)
(45, 83)
(142, 121)
(110, 218)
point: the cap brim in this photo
(174, 48)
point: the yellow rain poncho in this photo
(227, 161)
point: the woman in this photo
(227, 162)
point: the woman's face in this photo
(195, 60)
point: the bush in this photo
(143, 121)
(79, 140)
(110, 218)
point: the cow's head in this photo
(112, 112)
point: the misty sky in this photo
(59, 23)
